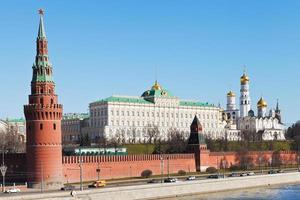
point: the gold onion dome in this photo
(156, 86)
(262, 103)
(230, 94)
(244, 79)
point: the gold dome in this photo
(156, 86)
(230, 94)
(244, 79)
(262, 103)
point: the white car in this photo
(251, 174)
(191, 178)
(13, 190)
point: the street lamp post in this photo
(260, 159)
(3, 170)
(224, 167)
(98, 171)
(298, 159)
(162, 168)
(80, 167)
(168, 166)
(42, 181)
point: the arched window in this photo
(41, 101)
(54, 126)
(42, 91)
(51, 101)
(41, 126)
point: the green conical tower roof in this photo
(42, 69)
(41, 33)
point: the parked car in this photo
(191, 178)
(152, 181)
(234, 174)
(243, 174)
(272, 171)
(170, 180)
(68, 187)
(250, 174)
(280, 171)
(98, 184)
(13, 190)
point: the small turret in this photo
(278, 112)
(262, 107)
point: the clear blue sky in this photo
(100, 48)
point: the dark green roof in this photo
(195, 103)
(124, 100)
(157, 93)
(20, 120)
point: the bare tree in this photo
(11, 141)
(152, 133)
(133, 135)
(177, 141)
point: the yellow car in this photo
(98, 184)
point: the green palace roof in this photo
(156, 91)
(125, 100)
(19, 120)
(195, 103)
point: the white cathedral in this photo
(243, 122)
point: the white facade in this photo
(263, 126)
(73, 126)
(16, 126)
(232, 113)
(129, 118)
(245, 100)
(268, 127)
(232, 133)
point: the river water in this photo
(287, 192)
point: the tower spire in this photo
(277, 105)
(42, 69)
(41, 33)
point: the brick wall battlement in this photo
(124, 158)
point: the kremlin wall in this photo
(112, 167)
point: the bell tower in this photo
(43, 121)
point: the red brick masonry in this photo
(124, 166)
(133, 165)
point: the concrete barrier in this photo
(173, 189)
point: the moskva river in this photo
(287, 192)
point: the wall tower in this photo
(43, 121)
(245, 101)
(197, 145)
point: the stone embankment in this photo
(156, 191)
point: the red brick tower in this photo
(198, 146)
(43, 121)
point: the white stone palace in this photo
(129, 118)
(263, 126)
